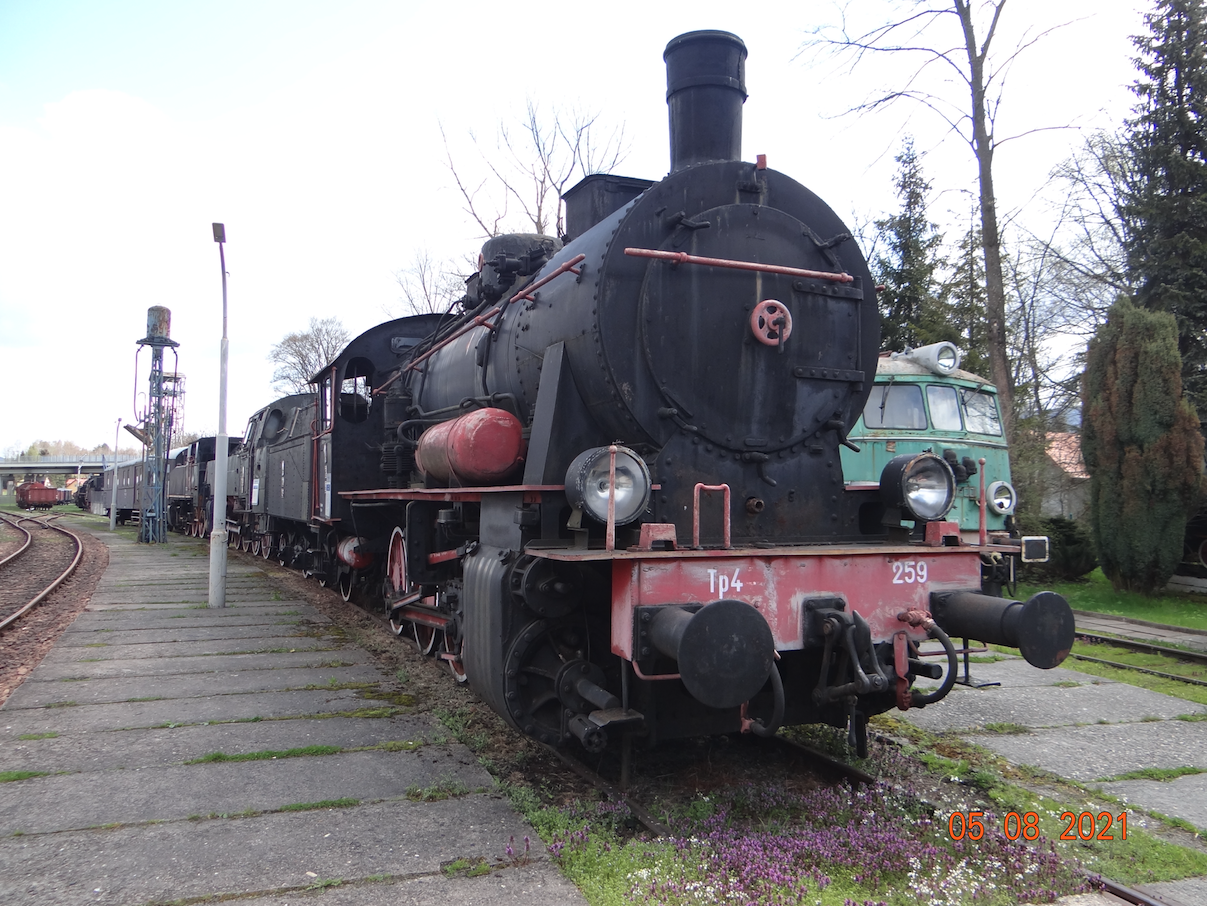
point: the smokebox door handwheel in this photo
(771, 323)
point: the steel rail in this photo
(29, 540)
(1135, 897)
(41, 596)
(1199, 657)
(1118, 666)
(652, 824)
(847, 770)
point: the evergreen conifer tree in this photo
(907, 268)
(1167, 209)
(1141, 444)
(961, 317)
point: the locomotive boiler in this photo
(608, 492)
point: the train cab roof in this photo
(905, 366)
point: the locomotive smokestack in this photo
(705, 90)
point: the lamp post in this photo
(117, 433)
(217, 593)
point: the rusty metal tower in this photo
(157, 428)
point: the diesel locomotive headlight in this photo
(921, 485)
(941, 358)
(1001, 498)
(588, 485)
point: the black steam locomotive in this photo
(607, 491)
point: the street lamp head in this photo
(219, 232)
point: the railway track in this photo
(1194, 657)
(32, 572)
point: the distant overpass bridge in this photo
(32, 468)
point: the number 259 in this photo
(907, 572)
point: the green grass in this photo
(1007, 729)
(29, 736)
(322, 803)
(266, 754)
(322, 883)
(13, 776)
(1158, 774)
(471, 868)
(1096, 594)
(441, 789)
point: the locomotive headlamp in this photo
(588, 484)
(1001, 498)
(921, 485)
(941, 358)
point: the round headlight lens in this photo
(1002, 498)
(946, 357)
(588, 485)
(920, 484)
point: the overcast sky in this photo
(312, 129)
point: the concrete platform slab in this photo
(166, 634)
(1188, 892)
(124, 689)
(103, 651)
(537, 884)
(127, 601)
(125, 749)
(92, 666)
(1185, 797)
(132, 715)
(1044, 704)
(178, 860)
(101, 621)
(1085, 754)
(79, 801)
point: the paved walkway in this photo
(148, 679)
(1086, 728)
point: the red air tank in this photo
(479, 448)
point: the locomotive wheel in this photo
(530, 677)
(425, 637)
(266, 546)
(284, 552)
(347, 585)
(328, 564)
(245, 543)
(396, 565)
(255, 546)
(453, 648)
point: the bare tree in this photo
(428, 285)
(922, 34)
(299, 356)
(531, 165)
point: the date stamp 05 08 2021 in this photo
(1081, 826)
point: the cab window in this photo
(895, 406)
(981, 409)
(326, 401)
(944, 408)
